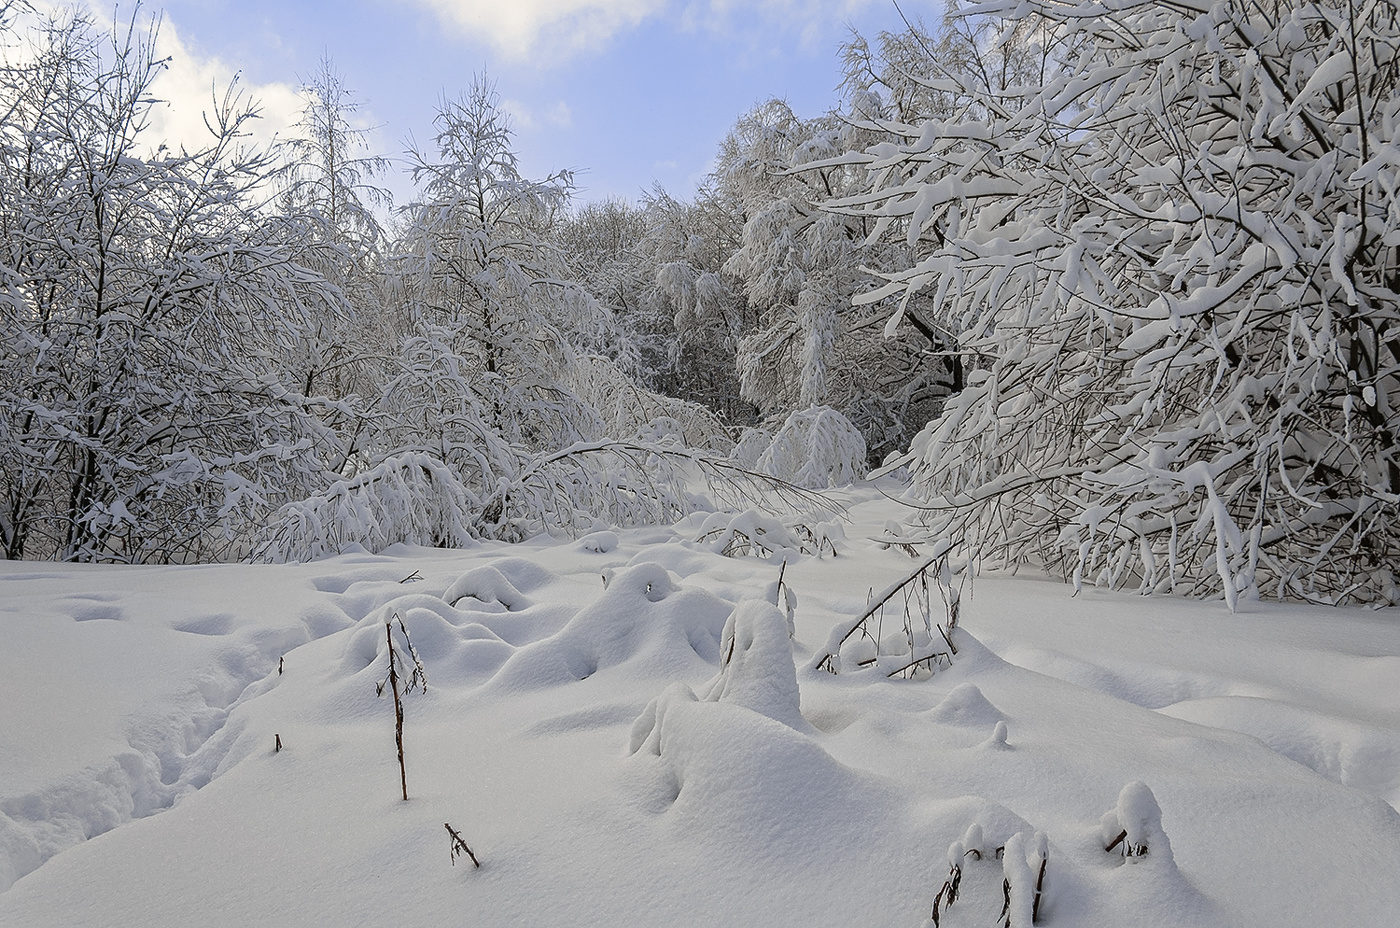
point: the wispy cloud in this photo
(526, 119)
(520, 28)
(189, 85)
(540, 28)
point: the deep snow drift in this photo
(623, 731)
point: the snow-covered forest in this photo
(1105, 292)
(1117, 290)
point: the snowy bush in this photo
(628, 410)
(1172, 258)
(911, 647)
(815, 448)
(761, 535)
(412, 498)
(751, 446)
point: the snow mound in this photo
(644, 617)
(489, 587)
(729, 775)
(966, 706)
(454, 648)
(757, 670)
(601, 542)
(524, 574)
(1343, 751)
(1134, 826)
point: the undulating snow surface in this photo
(579, 733)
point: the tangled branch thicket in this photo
(1173, 256)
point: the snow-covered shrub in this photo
(751, 446)
(761, 535)
(747, 533)
(413, 498)
(815, 448)
(627, 410)
(1172, 261)
(911, 648)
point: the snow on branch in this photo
(1171, 259)
(911, 649)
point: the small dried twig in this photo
(277, 745)
(459, 846)
(412, 578)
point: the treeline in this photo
(1116, 285)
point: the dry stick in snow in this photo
(1039, 890)
(398, 708)
(459, 846)
(418, 678)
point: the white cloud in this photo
(539, 28)
(560, 116)
(519, 28)
(187, 86)
(524, 119)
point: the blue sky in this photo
(626, 91)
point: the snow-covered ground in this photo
(582, 739)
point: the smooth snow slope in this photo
(579, 735)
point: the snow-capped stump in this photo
(488, 586)
(757, 670)
(1134, 826)
(966, 706)
(998, 738)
